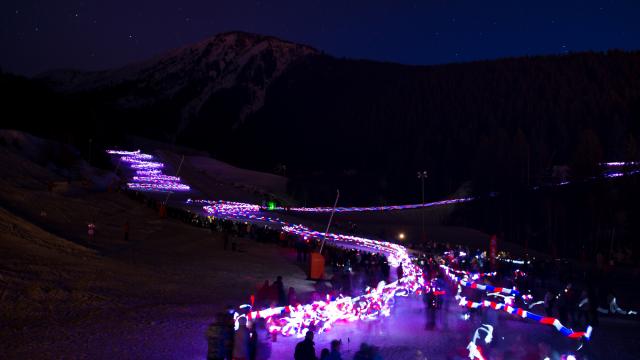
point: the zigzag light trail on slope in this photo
(149, 176)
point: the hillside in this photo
(189, 77)
(149, 295)
(261, 103)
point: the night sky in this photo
(46, 34)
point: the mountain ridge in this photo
(501, 122)
(222, 61)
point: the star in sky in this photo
(464, 30)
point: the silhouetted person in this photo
(305, 349)
(241, 341)
(260, 341)
(399, 272)
(219, 338)
(549, 301)
(91, 230)
(262, 296)
(385, 269)
(292, 298)
(226, 239)
(430, 303)
(305, 251)
(365, 352)
(334, 354)
(279, 287)
(125, 228)
(593, 309)
(324, 354)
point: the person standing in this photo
(305, 349)
(430, 304)
(241, 341)
(216, 347)
(324, 354)
(305, 251)
(226, 238)
(229, 332)
(548, 303)
(364, 353)
(335, 350)
(278, 285)
(292, 298)
(299, 251)
(572, 303)
(399, 272)
(262, 296)
(384, 266)
(562, 308)
(126, 230)
(262, 341)
(91, 230)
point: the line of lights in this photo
(136, 158)
(375, 208)
(297, 320)
(321, 315)
(605, 174)
(156, 178)
(147, 165)
(473, 276)
(158, 187)
(513, 310)
(148, 177)
(123, 152)
(475, 350)
(619, 163)
(148, 172)
(528, 315)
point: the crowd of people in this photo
(253, 342)
(574, 297)
(245, 343)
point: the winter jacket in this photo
(305, 350)
(241, 344)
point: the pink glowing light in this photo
(156, 178)
(149, 172)
(147, 165)
(509, 308)
(149, 177)
(377, 208)
(122, 152)
(321, 315)
(158, 187)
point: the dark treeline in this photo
(577, 221)
(504, 126)
(31, 106)
(367, 127)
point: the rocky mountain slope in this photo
(263, 103)
(191, 75)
